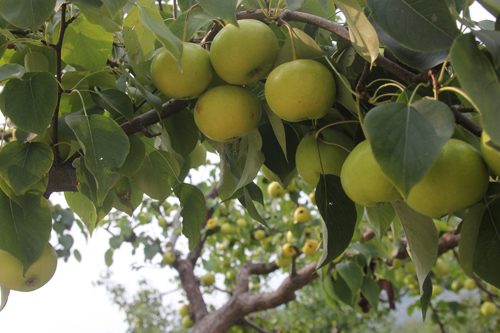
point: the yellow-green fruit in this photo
(410, 268)
(184, 310)
(363, 180)
(198, 156)
(284, 261)
(38, 274)
(302, 215)
(436, 290)
(225, 113)
(212, 223)
(259, 234)
(488, 308)
(289, 236)
(208, 279)
(162, 222)
(196, 76)
(491, 155)
(241, 222)
(410, 280)
(230, 274)
(168, 258)
(226, 228)
(308, 160)
(441, 267)
(456, 285)
(310, 247)
(458, 179)
(470, 284)
(187, 322)
(245, 54)
(300, 90)
(292, 187)
(288, 250)
(275, 190)
(267, 173)
(397, 263)
(312, 197)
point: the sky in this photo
(70, 302)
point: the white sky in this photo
(70, 303)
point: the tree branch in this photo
(191, 286)
(447, 241)
(468, 124)
(243, 276)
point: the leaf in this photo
(135, 157)
(29, 196)
(86, 46)
(197, 19)
(422, 237)
(86, 79)
(108, 257)
(339, 218)
(139, 41)
(253, 159)
(27, 14)
(493, 6)
(105, 146)
(371, 291)
(412, 22)
(380, 218)
(154, 100)
(83, 207)
(127, 196)
(469, 232)
(492, 41)
(8, 71)
(305, 47)
(24, 233)
(114, 6)
(225, 9)
(278, 128)
(414, 59)
(247, 201)
(152, 177)
(227, 182)
(90, 3)
(479, 81)
(294, 4)
(36, 62)
(193, 211)
(152, 20)
(362, 34)
(30, 103)
(100, 16)
(487, 249)
(343, 291)
(417, 133)
(352, 274)
(115, 101)
(183, 132)
(24, 164)
(426, 294)
(4, 293)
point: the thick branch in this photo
(191, 286)
(448, 241)
(466, 122)
(243, 277)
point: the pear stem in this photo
(186, 21)
(290, 30)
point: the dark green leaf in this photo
(183, 132)
(343, 291)
(469, 232)
(115, 101)
(114, 6)
(294, 4)
(193, 211)
(135, 157)
(128, 196)
(252, 144)
(83, 207)
(492, 41)
(197, 19)
(371, 291)
(493, 6)
(352, 274)
(225, 9)
(26, 14)
(247, 201)
(411, 146)
(90, 3)
(339, 217)
(30, 103)
(426, 292)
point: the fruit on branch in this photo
(300, 90)
(458, 179)
(289, 236)
(275, 190)
(198, 156)
(436, 290)
(241, 222)
(168, 258)
(441, 267)
(212, 223)
(184, 310)
(162, 222)
(225, 113)
(288, 250)
(259, 234)
(187, 322)
(315, 157)
(491, 155)
(470, 284)
(196, 76)
(410, 268)
(310, 247)
(397, 263)
(246, 54)
(302, 215)
(363, 180)
(456, 285)
(283, 261)
(208, 279)
(38, 274)
(226, 228)
(230, 274)
(488, 308)
(312, 197)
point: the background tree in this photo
(90, 113)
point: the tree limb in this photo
(447, 241)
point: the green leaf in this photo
(36, 62)
(86, 79)
(247, 201)
(152, 177)
(371, 291)
(426, 294)
(492, 41)
(83, 207)
(108, 257)
(114, 6)
(227, 182)
(278, 128)
(135, 157)
(24, 164)
(49, 53)
(100, 16)
(479, 81)
(380, 218)
(8, 71)
(305, 47)
(193, 211)
(417, 133)
(90, 3)
(86, 46)
(139, 40)
(154, 100)
(343, 291)
(115, 101)
(27, 14)
(419, 60)
(24, 233)
(30, 103)
(487, 250)
(28, 196)
(197, 19)
(416, 21)
(225, 9)
(493, 6)
(183, 132)
(152, 20)
(362, 34)
(422, 237)
(128, 196)
(352, 274)
(294, 4)
(4, 294)
(469, 231)
(252, 144)
(339, 218)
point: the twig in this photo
(466, 122)
(361, 86)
